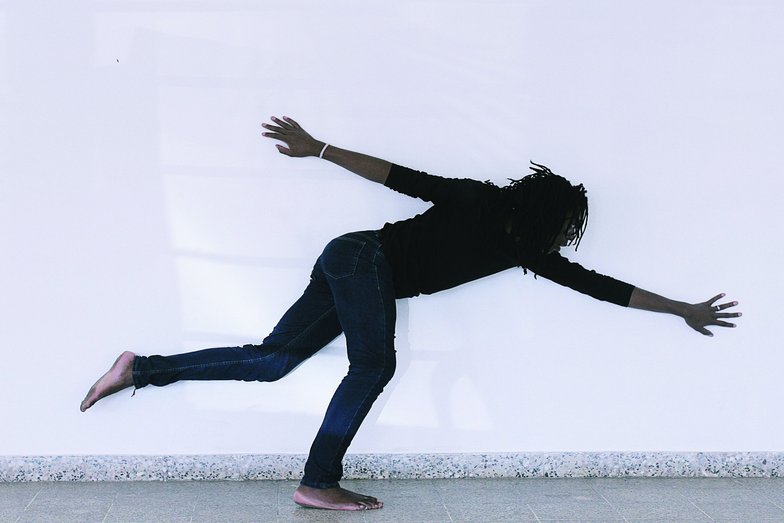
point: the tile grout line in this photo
(765, 496)
(700, 509)
(534, 513)
(773, 501)
(447, 511)
(110, 507)
(611, 505)
(28, 505)
(31, 501)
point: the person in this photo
(472, 230)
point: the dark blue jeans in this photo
(351, 291)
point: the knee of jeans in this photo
(383, 370)
(272, 368)
(388, 370)
(270, 374)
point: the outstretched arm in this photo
(301, 144)
(573, 275)
(697, 315)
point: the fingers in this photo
(292, 122)
(281, 122)
(276, 136)
(710, 301)
(281, 128)
(273, 128)
(706, 313)
(283, 150)
(287, 123)
(725, 306)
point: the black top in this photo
(449, 244)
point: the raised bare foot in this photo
(334, 499)
(117, 378)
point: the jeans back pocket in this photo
(341, 256)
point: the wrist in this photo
(642, 299)
(680, 308)
(318, 149)
(323, 151)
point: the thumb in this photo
(283, 150)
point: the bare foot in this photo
(334, 499)
(116, 379)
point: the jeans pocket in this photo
(341, 256)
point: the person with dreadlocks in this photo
(472, 230)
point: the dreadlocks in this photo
(534, 208)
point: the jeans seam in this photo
(223, 363)
(384, 353)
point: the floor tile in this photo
(678, 520)
(642, 495)
(661, 510)
(237, 493)
(731, 510)
(153, 508)
(296, 514)
(490, 512)
(10, 514)
(236, 514)
(63, 512)
(68, 505)
(417, 488)
(522, 490)
(575, 510)
(661, 500)
(15, 497)
(147, 516)
(409, 512)
(720, 494)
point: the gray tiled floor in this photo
(747, 500)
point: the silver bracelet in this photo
(321, 154)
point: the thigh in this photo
(309, 324)
(363, 291)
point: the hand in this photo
(699, 315)
(300, 143)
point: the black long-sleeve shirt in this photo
(449, 244)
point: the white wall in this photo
(141, 209)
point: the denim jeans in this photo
(351, 291)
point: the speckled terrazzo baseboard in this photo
(385, 466)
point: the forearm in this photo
(301, 144)
(642, 299)
(373, 169)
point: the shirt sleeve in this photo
(573, 275)
(432, 188)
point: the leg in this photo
(306, 327)
(362, 286)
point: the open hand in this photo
(699, 315)
(299, 142)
